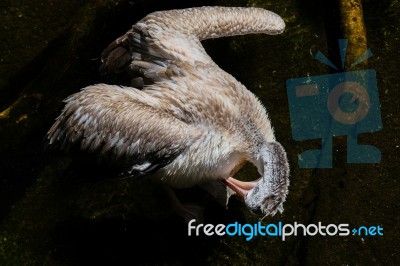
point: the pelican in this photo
(183, 121)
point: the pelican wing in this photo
(120, 124)
(168, 36)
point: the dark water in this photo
(51, 49)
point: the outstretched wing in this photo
(169, 36)
(123, 125)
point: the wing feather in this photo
(120, 124)
(174, 36)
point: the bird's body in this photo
(191, 122)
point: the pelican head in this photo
(269, 193)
